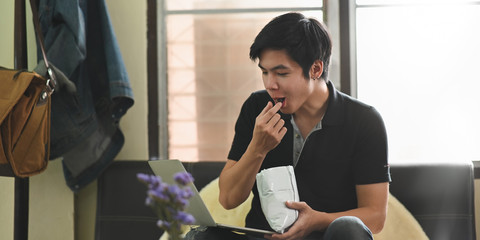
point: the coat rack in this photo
(20, 231)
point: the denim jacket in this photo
(80, 41)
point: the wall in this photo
(53, 212)
(6, 60)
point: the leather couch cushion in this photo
(440, 195)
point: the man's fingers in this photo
(294, 205)
(276, 107)
(269, 127)
(270, 110)
(279, 125)
(282, 132)
(274, 120)
(266, 108)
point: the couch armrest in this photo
(439, 195)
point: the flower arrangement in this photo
(169, 201)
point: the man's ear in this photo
(316, 70)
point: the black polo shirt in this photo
(350, 149)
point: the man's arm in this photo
(236, 181)
(238, 177)
(372, 210)
(372, 205)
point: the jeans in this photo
(351, 228)
(343, 228)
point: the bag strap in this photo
(51, 81)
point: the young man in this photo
(337, 145)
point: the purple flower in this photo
(185, 218)
(158, 193)
(169, 200)
(149, 201)
(181, 201)
(145, 178)
(187, 193)
(151, 181)
(174, 190)
(180, 195)
(183, 178)
(163, 224)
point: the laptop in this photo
(196, 207)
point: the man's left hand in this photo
(304, 225)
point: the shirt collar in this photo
(335, 110)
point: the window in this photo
(209, 73)
(417, 63)
(414, 60)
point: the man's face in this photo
(284, 80)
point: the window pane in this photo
(209, 77)
(410, 2)
(235, 4)
(418, 66)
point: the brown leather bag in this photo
(24, 123)
(25, 116)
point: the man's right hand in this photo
(269, 129)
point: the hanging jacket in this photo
(80, 41)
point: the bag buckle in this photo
(49, 89)
(51, 82)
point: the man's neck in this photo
(317, 102)
(313, 109)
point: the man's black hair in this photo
(304, 39)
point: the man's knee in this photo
(347, 227)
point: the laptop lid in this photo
(166, 169)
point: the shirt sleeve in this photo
(243, 131)
(371, 155)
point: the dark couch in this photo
(439, 195)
